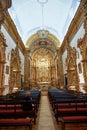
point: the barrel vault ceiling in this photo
(54, 16)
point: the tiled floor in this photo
(45, 121)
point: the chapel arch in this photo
(34, 44)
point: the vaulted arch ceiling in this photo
(31, 16)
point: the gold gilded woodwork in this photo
(60, 81)
(43, 67)
(4, 5)
(27, 84)
(41, 58)
(15, 70)
(35, 37)
(72, 75)
(82, 44)
(2, 60)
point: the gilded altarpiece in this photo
(15, 70)
(43, 67)
(82, 44)
(72, 75)
(2, 60)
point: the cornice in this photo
(12, 30)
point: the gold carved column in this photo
(57, 72)
(60, 69)
(4, 5)
(2, 60)
(82, 44)
(26, 70)
(72, 75)
(15, 70)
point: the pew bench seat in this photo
(73, 119)
(18, 113)
(16, 122)
(78, 128)
(70, 109)
(30, 113)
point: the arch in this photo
(43, 34)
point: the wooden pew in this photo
(11, 105)
(69, 107)
(78, 128)
(16, 122)
(73, 119)
(13, 109)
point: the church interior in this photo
(43, 50)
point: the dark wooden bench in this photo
(70, 107)
(16, 122)
(13, 109)
(78, 128)
(73, 119)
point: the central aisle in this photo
(45, 116)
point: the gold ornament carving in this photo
(4, 5)
(2, 59)
(15, 70)
(72, 75)
(43, 67)
(82, 44)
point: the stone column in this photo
(2, 60)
